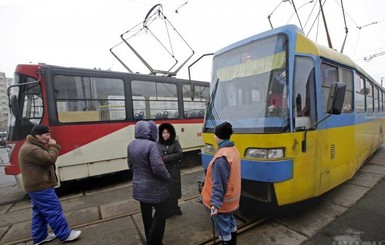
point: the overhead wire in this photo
(355, 47)
(372, 50)
(355, 23)
(269, 16)
(296, 12)
(346, 27)
(318, 21)
(357, 26)
(315, 19)
(311, 13)
(177, 10)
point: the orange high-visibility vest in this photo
(233, 193)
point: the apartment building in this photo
(4, 83)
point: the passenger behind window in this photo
(158, 115)
(139, 115)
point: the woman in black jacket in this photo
(172, 155)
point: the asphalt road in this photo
(3, 155)
(104, 210)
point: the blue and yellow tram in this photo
(274, 89)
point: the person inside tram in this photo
(305, 111)
(275, 98)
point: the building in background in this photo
(4, 84)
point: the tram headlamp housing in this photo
(265, 153)
(208, 148)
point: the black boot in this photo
(170, 213)
(233, 238)
(226, 242)
(177, 211)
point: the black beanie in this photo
(224, 131)
(39, 129)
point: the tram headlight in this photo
(209, 149)
(265, 153)
(256, 153)
(275, 153)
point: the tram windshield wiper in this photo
(211, 108)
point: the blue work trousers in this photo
(225, 224)
(46, 209)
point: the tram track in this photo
(241, 230)
(103, 220)
(95, 222)
(133, 215)
(14, 201)
(247, 225)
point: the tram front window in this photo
(251, 90)
(26, 107)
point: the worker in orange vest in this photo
(222, 187)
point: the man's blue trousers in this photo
(46, 209)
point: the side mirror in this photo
(14, 105)
(334, 106)
(336, 98)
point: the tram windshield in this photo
(250, 87)
(26, 106)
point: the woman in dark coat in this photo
(172, 155)
(150, 180)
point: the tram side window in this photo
(369, 95)
(304, 93)
(195, 108)
(329, 76)
(345, 76)
(154, 100)
(359, 85)
(89, 99)
(379, 99)
(376, 101)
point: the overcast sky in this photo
(79, 33)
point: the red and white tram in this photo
(92, 114)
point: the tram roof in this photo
(294, 32)
(108, 73)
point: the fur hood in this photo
(171, 129)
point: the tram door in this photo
(336, 165)
(305, 116)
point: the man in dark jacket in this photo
(149, 181)
(37, 159)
